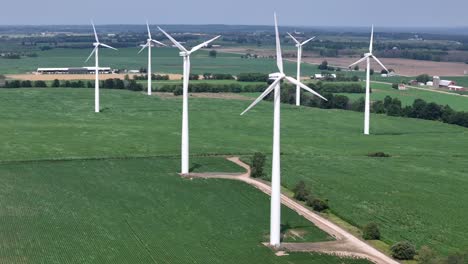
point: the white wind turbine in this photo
(275, 213)
(96, 45)
(185, 133)
(149, 45)
(299, 46)
(367, 58)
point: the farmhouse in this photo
(80, 70)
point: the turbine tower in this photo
(185, 54)
(95, 51)
(367, 58)
(275, 213)
(149, 45)
(299, 46)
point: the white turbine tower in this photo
(96, 45)
(275, 213)
(299, 46)
(185, 133)
(367, 58)
(149, 44)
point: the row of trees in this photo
(106, 84)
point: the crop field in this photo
(113, 202)
(417, 194)
(407, 97)
(165, 60)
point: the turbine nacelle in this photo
(96, 44)
(276, 75)
(184, 53)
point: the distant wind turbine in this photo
(299, 46)
(95, 51)
(367, 58)
(275, 213)
(185, 133)
(149, 44)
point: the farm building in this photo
(80, 70)
(402, 87)
(446, 83)
(319, 76)
(456, 88)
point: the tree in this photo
(301, 192)
(371, 71)
(403, 250)
(383, 71)
(258, 162)
(371, 232)
(323, 65)
(318, 205)
(56, 83)
(423, 78)
(395, 86)
(40, 84)
(356, 68)
(213, 53)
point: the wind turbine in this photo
(185, 133)
(96, 45)
(149, 44)
(299, 46)
(367, 57)
(275, 213)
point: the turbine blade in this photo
(159, 43)
(371, 45)
(107, 46)
(279, 56)
(204, 44)
(92, 52)
(149, 31)
(173, 40)
(307, 41)
(379, 62)
(95, 34)
(295, 40)
(303, 86)
(359, 61)
(144, 47)
(263, 95)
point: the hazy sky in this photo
(252, 12)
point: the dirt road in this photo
(345, 245)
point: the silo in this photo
(436, 81)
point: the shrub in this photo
(301, 192)
(258, 162)
(371, 232)
(317, 204)
(178, 91)
(395, 86)
(40, 84)
(426, 255)
(252, 77)
(403, 250)
(378, 155)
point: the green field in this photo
(166, 60)
(407, 97)
(418, 194)
(104, 188)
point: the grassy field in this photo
(88, 198)
(418, 194)
(166, 60)
(380, 91)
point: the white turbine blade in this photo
(263, 95)
(149, 31)
(295, 40)
(144, 47)
(359, 61)
(204, 44)
(379, 62)
(173, 40)
(107, 46)
(92, 52)
(303, 86)
(307, 41)
(371, 45)
(279, 56)
(159, 43)
(95, 34)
